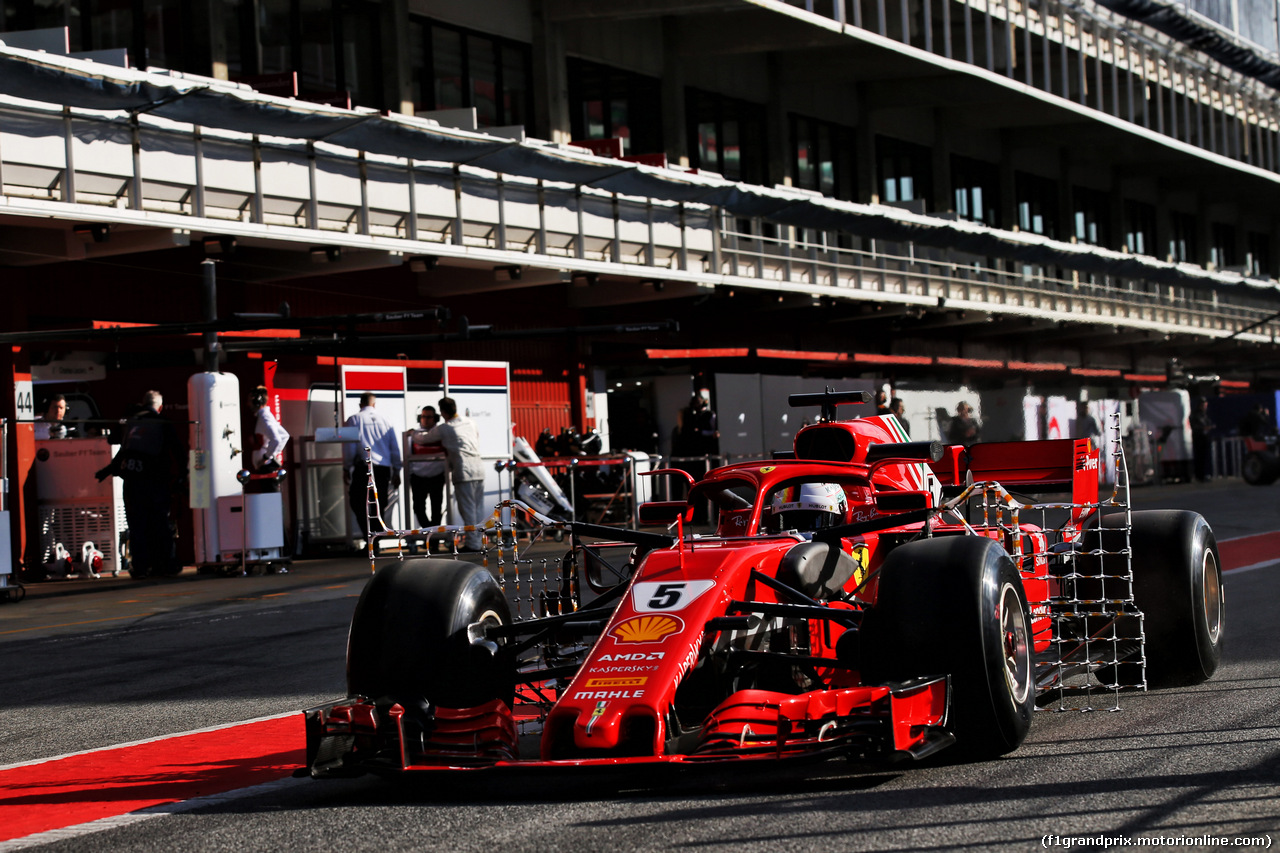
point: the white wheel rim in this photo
(1211, 590)
(490, 617)
(1013, 645)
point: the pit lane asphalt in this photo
(89, 664)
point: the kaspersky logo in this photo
(646, 629)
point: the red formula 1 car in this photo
(866, 596)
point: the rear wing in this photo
(1069, 464)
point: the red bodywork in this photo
(718, 594)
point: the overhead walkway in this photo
(96, 160)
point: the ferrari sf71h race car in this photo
(866, 596)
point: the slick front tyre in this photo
(409, 637)
(1177, 584)
(955, 606)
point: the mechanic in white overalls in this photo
(269, 438)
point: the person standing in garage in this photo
(1201, 446)
(269, 438)
(377, 434)
(899, 410)
(461, 441)
(148, 461)
(51, 424)
(964, 429)
(426, 471)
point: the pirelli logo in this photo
(631, 681)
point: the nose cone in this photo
(600, 727)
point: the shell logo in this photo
(646, 629)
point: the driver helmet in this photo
(808, 506)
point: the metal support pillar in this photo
(209, 272)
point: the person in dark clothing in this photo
(964, 429)
(899, 410)
(698, 430)
(883, 406)
(427, 471)
(1201, 426)
(683, 439)
(706, 429)
(148, 461)
(1258, 423)
(697, 436)
(1086, 425)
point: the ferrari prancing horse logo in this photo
(862, 554)
(595, 715)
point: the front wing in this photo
(905, 720)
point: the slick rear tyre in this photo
(1260, 469)
(955, 606)
(409, 641)
(1177, 584)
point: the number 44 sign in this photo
(23, 402)
(667, 596)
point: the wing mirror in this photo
(902, 501)
(665, 512)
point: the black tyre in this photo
(409, 641)
(1177, 584)
(955, 605)
(1260, 468)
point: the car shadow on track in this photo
(590, 784)
(990, 800)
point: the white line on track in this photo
(1264, 564)
(118, 821)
